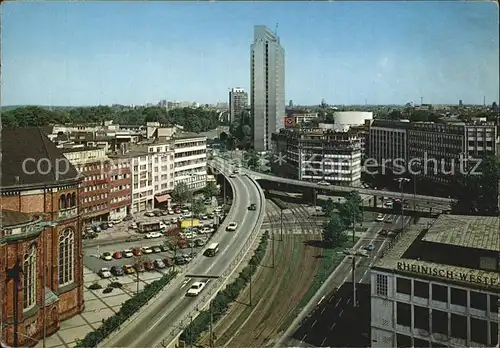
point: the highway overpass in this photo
(162, 321)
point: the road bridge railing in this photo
(217, 285)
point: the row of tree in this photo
(181, 195)
(340, 216)
(192, 119)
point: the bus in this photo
(212, 249)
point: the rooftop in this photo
(394, 260)
(22, 150)
(13, 218)
(478, 232)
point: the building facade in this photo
(41, 256)
(267, 86)
(238, 102)
(190, 156)
(120, 188)
(439, 286)
(318, 154)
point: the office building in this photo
(238, 102)
(41, 229)
(318, 154)
(438, 286)
(267, 86)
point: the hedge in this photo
(223, 299)
(129, 307)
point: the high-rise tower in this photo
(267, 86)
(238, 102)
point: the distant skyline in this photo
(90, 53)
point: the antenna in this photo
(276, 29)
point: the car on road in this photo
(196, 288)
(324, 183)
(156, 249)
(133, 238)
(204, 217)
(117, 255)
(199, 242)
(127, 253)
(152, 235)
(137, 251)
(149, 214)
(146, 250)
(370, 247)
(104, 273)
(158, 263)
(128, 269)
(117, 271)
(388, 220)
(232, 226)
(379, 218)
(139, 267)
(148, 265)
(106, 256)
(232, 176)
(252, 207)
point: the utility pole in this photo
(211, 340)
(281, 224)
(273, 247)
(250, 287)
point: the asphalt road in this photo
(156, 323)
(334, 322)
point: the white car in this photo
(127, 253)
(133, 226)
(380, 218)
(104, 273)
(147, 250)
(232, 176)
(152, 235)
(174, 220)
(232, 226)
(324, 183)
(170, 212)
(196, 288)
(186, 215)
(188, 235)
(149, 214)
(205, 230)
(218, 210)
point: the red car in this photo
(148, 265)
(177, 211)
(137, 251)
(117, 255)
(168, 262)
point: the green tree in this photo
(198, 208)
(211, 190)
(329, 207)
(181, 193)
(252, 159)
(350, 211)
(333, 232)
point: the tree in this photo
(139, 264)
(198, 208)
(252, 159)
(350, 211)
(223, 137)
(477, 192)
(181, 193)
(333, 232)
(211, 190)
(172, 243)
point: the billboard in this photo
(290, 122)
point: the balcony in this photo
(68, 213)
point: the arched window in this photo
(66, 256)
(29, 278)
(73, 199)
(69, 204)
(62, 202)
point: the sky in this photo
(91, 53)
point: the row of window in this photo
(120, 199)
(95, 187)
(94, 208)
(94, 198)
(67, 201)
(119, 188)
(436, 321)
(190, 153)
(66, 257)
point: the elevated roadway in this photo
(165, 318)
(333, 188)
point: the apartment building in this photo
(302, 116)
(439, 286)
(93, 165)
(120, 188)
(190, 166)
(238, 102)
(318, 154)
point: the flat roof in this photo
(393, 261)
(478, 232)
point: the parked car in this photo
(199, 242)
(177, 211)
(179, 260)
(156, 249)
(370, 247)
(128, 269)
(104, 273)
(133, 226)
(168, 262)
(96, 229)
(148, 265)
(147, 250)
(379, 218)
(139, 267)
(137, 251)
(134, 238)
(152, 235)
(158, 263)
(384, 232)
(104, 226)
(149, 214)
(157, 213)
(170, 212)
(388, 219)
(128, 218)
(106, 256)
(117, 255)
(117, 271)
(127, 253)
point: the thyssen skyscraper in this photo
(267, 86)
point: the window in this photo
(494, 303)
(29, 278)
(62, 202)
(479, 331)
(403, 314)
(420, 343)
(439, 293)
(403, 286)
(439, 322)
(66, 256)
(478, 300)
(459, 297)
(420, 289)
(382, 285)
(403, 341)
(421, 317)
(494, 334)
(459, 326)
